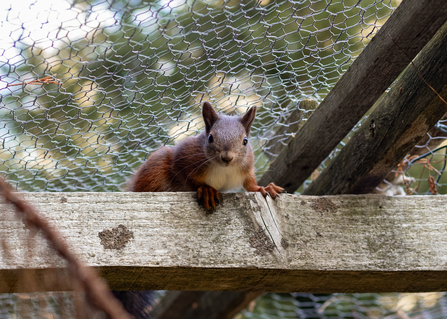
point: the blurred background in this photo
(88, 89)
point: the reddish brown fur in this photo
(172, 169)
(186, 166)
(153, 175)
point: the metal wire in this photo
(89, 89)
(361, 306)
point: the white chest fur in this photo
(225, 178)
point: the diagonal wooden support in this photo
(404, 115)
(411, 25)
(434, 138)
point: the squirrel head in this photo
(227, 136)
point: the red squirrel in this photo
(217, 160)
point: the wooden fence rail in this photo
(152, 241)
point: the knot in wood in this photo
(324, 205)
(116, 238)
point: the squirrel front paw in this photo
(271, 189)
(208, 197)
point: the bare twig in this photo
(45, 80)
(432, 185)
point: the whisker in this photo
(192, 170)
(198, 168)
(192, 155)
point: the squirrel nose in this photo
(226, 158)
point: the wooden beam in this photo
(411, 25)
(399, 121)
(327, 244)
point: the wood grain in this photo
(326, 244)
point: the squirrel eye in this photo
(245, 141)
(210, 138)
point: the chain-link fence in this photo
(89, 89)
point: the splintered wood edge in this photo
(165, 241)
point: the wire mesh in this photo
(38, 305)
(358, 306)
(88, 89)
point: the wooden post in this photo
(411, 26)
(398, 122)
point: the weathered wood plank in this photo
(411, 25)
(295, 243)
(400, 120)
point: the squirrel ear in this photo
(209, 116)
(247, 119)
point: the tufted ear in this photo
(209, 116)
(247, 119)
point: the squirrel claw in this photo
(272, 190)
(208, 197)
